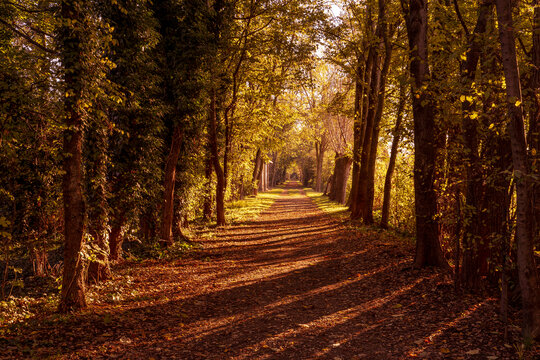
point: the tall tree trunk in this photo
(428, 247)
(319, 157)
(207, 206)
(362, 197)
(386, 35)
(534, 119)
(392, 161)
(361, 103)
(472, 239)
(262, 176)
(220, 186)
(528, 275)
(99, 269)
(274, 169)
(73, 282)
(256, 171)
(167, 212)
(96, 195)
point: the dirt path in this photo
(293, 284)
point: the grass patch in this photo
(294, 193)
(250, 207)
(325, 204)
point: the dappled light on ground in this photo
(291, 284)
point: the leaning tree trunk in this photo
(167, 214)
(220, 176)
(392, 162)
(73, 282)
(528, 275)
(428, 247)
(207, 205)
(534, 119)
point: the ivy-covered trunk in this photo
(73, 282)
(115, 235)
(220, 176)
(207, 205)
(167, 212)
(428, 247)
(528, 274)
(474, 254)
(534, 119)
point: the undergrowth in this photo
(250, 207)
(342, 212)
(325, 204)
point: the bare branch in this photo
(26, 37)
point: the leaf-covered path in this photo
(293, 284)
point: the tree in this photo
(428, 248)
(183, 31)
(71, 42)
(528, 275)
(393, 154)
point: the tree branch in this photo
(460, 17)
(26, 37)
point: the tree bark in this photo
(528, 275)
(361, 103)
(263, 176)
(342, 168)
(116, 239)
(428, 247)
(167, 214)
(73, 283)
(256, 171)
(392, 162)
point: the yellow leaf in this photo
(518, 103)
(463, 57)
(474, 115)
(462, 98)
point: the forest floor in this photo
(294, 283)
